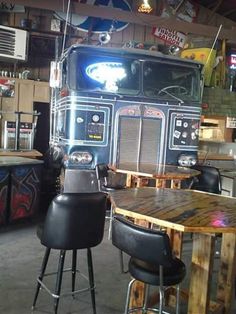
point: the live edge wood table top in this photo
(203, 214)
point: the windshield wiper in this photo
(102, 91)
(176, 98)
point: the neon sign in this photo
(232, 61)
(107, 73)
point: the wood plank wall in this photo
(132, 32)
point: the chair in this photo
(73, 222)
(151, 260)
(208, 181)
(106, 185)
(107, 179)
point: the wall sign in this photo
(231, 122)
(11, 7)
(171, 37)
(232, 61)
(94, 24)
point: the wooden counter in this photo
(21, 153)
(215, 157)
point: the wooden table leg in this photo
(160, 183)
(176, 241)
(137, 295)
(226, 275)
(175, 184)
(137, 292)
(201, 269)
(128, 180)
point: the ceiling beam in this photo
(210, 5)
(226, 13)
(130, 17)
(213, 11)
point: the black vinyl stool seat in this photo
(73, 222)
(151, 260)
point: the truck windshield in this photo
(171, 81)
(124, 75)
(110, 74)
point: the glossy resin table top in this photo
(182, 210)
(157, 171)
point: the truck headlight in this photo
(187, 160)
(81, 158)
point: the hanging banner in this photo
(170, 36)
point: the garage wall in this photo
(40, 68)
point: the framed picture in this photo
(55, 25)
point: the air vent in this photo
(13, 44)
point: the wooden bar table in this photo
(202, 214)
(162, 174)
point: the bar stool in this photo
(151, 261)
(208, 181)
(73, 222)
(104, 185)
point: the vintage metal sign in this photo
(98, 25)
(169, 36)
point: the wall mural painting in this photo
(4, 179)
(25, 191)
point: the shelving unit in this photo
(26, 93)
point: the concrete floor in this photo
(20, 259)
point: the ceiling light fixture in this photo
(145, 7)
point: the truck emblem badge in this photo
(79, 120)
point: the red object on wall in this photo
(205, 106)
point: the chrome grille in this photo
(129, 150)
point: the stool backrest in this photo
(75, 221)
(145, 244)
(108, 179)
(102, 175)
(208, 181)
(101, 171)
